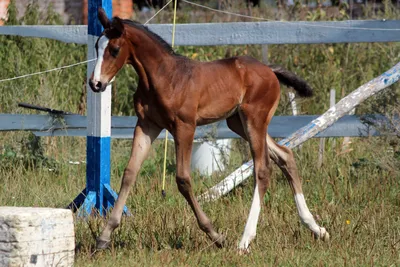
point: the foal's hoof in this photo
(323, 235)
(244, 246)
(102, 244)
(219, 241)
(243, 251)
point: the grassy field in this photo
(355, 195)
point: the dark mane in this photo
(155, 36)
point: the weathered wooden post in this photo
(264, 53)
(346, 140)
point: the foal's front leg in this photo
(183, 144)
(145, 133)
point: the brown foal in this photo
(178, 94)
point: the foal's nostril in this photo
(98, 85)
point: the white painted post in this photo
(293, 103)
(328, 118)
(99, 120)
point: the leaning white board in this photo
(36, 237)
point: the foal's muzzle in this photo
(97, 86)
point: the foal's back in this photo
(223, 85)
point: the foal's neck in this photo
(152, 62)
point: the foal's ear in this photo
(117, 25)
(102, 16)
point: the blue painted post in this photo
(98, 142)
(98, 193)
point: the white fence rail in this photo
(122, 127)
(237, 33)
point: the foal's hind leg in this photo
(183, 137)
(283, 157)
(145, 134)
(256, 122)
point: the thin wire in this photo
(166, 131)
(72, 65)
(46, 71)
(158, 12)
(289, 22)
(225, 12)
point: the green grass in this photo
(355, 195)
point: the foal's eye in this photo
(114, 51)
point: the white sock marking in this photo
(101, 47)
(306, 216)
(252, 221)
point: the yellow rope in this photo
(174, 24)
(165, 162)
(166, 132)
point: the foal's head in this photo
(112, 52)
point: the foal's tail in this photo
(290, 79)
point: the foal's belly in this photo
(212, 113)
(218, 104)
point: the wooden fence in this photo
(270, 32)
(122, 127)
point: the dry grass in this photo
(355, 196)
